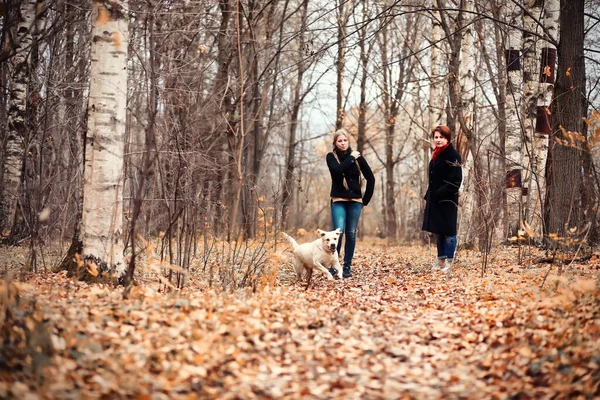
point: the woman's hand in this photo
(355, 154)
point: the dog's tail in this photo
(291, 240)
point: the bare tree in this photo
(19, 41)
(101, 223)
(299, 93)
(572, 193)
(509, 99)
(342, 16)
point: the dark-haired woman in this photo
(441, 209)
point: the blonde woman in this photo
(347, 169)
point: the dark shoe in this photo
(346, 272)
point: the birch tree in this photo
(101, 224)
(17, 115)
(543, 129)
(532, 119)
(512, 96)
(462, 104)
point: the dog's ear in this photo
(321, 232)
(338, 231)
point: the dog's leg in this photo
(321, 268)
(298, 267)
(308, 277)
(338, 267)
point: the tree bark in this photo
(570, 198)
(436, 99)
(510, 104)
(533, 177)
(342, 19)
(16, 117)
(101, 223)
(298, 97)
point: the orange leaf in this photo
(547, 71)
(92, 268)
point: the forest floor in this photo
(396, 329)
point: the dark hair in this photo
(444, 131)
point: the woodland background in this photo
(155, 149)
(200, 121)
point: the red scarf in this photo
(438, 150)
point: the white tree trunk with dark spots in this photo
(16, 119)
(539, 111)
(514, 97)
(468, 197)
(101, 224)
(546, 89)
(531, 68)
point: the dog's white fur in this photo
(319, 254)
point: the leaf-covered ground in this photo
(395, 330)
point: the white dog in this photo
(319, 254)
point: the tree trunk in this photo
(546, 78)
(364, 64)
(391, 102)
(238, 171)
(532, 145)
(510, 103)
(436, 99)
(298, 97)
(16, 118)
(341, 63)
(570, 200)
(463, 64)
(101, 223)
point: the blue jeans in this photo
(446, 246)
(345, 215)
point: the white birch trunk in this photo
(514, 96)
(545, 75)
(466, 202)
(543, 128)
(16, 119)
(101, 224)
(467, 98)
(531, 68)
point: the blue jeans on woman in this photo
(345, 215)
(446, 246)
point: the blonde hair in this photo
(339, 133)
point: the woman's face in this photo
(439, 139)
(341, 143)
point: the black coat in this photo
(347, 167)
(445, 177)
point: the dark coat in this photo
(445, 177)
(347, 167)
